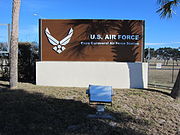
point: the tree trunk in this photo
(14, 44)
(175, 93)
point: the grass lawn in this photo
(38, 110)
(162, 77)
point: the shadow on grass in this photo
(23, 113)
(158, 91)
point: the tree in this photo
(175, 93)
(166, 53)
(167, 6)
(14, 44)
(166, 10)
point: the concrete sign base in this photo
(81, 74)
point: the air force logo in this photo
(59, 45)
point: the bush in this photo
(27, 56)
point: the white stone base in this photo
(81, 74)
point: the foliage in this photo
(3, 46)
(166, 9)
(152, 52)
(166, 52)
(27, 57)
(4, 66)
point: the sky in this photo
(158, 32)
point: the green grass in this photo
(38, 110)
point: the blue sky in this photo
(158, 32)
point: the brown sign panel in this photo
(91, 40)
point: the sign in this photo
(91, 40)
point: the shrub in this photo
(27, 56)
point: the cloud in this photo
(163, 44)
(168, 43)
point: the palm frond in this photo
(167, 6)
(162, 2)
